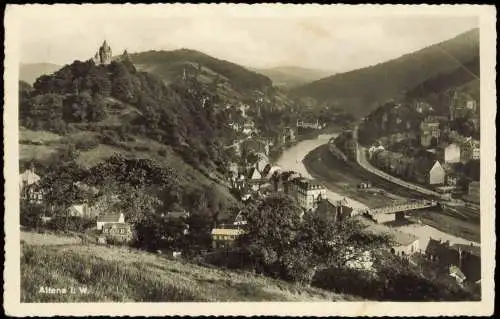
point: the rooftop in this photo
(308, 184)
(109, 218)
(227, 231)
(399, 238)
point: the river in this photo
(292, 158)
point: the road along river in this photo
(292, 158)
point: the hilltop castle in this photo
(103, 55)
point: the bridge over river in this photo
(391, 212)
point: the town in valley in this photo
(176, 175)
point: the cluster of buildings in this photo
(463, 262)
(108, 223)
(440, 152)
(311, 125)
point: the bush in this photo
(86, 144)
(162, 152)
(31, 215)
(142, 148)
(70, 223)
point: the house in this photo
(110, 218)
(225, 237)
(270, 170)
(451, 153)
(457, 274)
(253, 174)
(473, 192)
(287, 135)
(401, 244)
(461, 105)
(429, 131)
(466, 257)
(429, 172)
(334, 211)
(261, 163)
(469, 150)
(239, 220)
(422, 107)
(374, 149)
(28, 177)
(307, 192)
(28, 182)
(120, 232)
(452, 179)
(254, 179)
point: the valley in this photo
(173, 175)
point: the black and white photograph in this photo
(294, 155)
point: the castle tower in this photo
(105, 53)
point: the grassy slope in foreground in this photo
(122, 274)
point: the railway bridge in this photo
(392, 212)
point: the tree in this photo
(200, 227)
(285, 243)
(272, 227)
(159, 232)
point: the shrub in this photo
(86, 144)
(70, 223)
(162, 152)
(142, 148)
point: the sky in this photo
(319, 37)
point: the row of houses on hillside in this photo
(424, 171)
(461, 105)
(311, 125)
(432, 131)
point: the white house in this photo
(307, 192)
(29, 177)
(111, 218)
(452, 153)
(436, 174)
(373, 149)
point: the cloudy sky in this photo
(319, 37)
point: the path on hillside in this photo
(363, 162)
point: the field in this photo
(108, 274)
(343, 178)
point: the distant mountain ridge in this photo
(29, 72)
(291, 76)
(360, 90)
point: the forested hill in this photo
(359, 91)
(116, 98)
(170, 66)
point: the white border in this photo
(12, 305)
